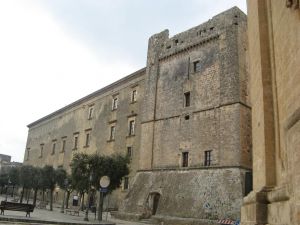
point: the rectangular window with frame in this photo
(87, 138)
(41, 150)
(53, 147)
(197, 66)
(129, 152)
(187, 99)
(134, 96)
(185, 159)
(112, 133)
(131, 127)
(115, 103)
(75, 141)
(207, 158)
(63, 144)
(90, 112)
(126, 183)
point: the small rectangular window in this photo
(115, 103)
(126, 183)
(185, 159)
(112, 133)
(187, 99)
(90, 115)
(207, 158)
(41, 150)
(28, 153)
(197, 66)
(129, 152)
(134, 96)
(131, 127)
(87, 139)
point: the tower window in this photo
(131, 127)
(28, 153)
(87, 139)
(197, 66)
(187, 99)
(185, 159)
(112, 133)
(126, 183)
(207, 158)
(129, 152)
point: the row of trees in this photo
(86, 171)
(30, 178)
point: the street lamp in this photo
(86, 217)
(66, 182)
(104, 183)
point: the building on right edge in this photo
(274, 43)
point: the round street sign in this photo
(104, 181)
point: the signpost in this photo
(104, 183)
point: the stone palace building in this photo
(184, 119)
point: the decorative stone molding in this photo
(279, 194)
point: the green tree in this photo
(14, 176)
(80, 173)
(49, 181)
(3, 181)
(36, 182)
(26, 182)
(83, 165)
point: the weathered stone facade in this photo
(274, 52)
(191, 143)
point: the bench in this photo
(73, 210)
(14, 206)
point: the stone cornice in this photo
(189, 47)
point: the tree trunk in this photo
(22, 195)
(67, 199)
(13, 189)
(43, 198)
(28, 194)
(51, 200)
(82, 200)
(34, 196)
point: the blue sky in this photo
(53, 52)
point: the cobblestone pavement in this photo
(55, 216)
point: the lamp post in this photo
(86, 217)
(104, 183)
(66, 182)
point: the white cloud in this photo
(42, 68)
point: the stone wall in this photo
(205, 195)
(274, 51)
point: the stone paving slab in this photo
(45, 216)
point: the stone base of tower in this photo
(185, 196)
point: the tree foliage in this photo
(95, 166)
